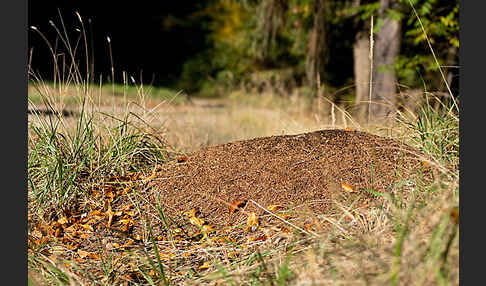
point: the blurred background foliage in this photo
(214, 47)
(248, 38)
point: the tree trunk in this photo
(386, 48)
(314, 62)
(361, 51)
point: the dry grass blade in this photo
(285, 221)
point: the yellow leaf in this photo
(274, 208)
(62, 220)
(284, 216)
(125, 221)
(87, 227)
(196, 221)
(110, 214)
(205, 265)
(252, 222)
(191, 213)
(126, 190)
(207, 228)
(189, 253)
(347, 188)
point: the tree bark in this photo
(386, 48)
(361, 52)
(314, 62)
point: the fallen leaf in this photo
(262, 237)
(96, 213)
(284, 216)
(347, 188)
(189, 253)
(87, 227)
(205, 265)
(252, 222)
(95, 256)
(182, 159)
(234, 206)
(127, 207)
(79, 260)
(207, 228)
(191, 213)
(82, 253)
(126, 190)
(57, 233)
(62, 220)
(110, 214)
(110, 194)
(151, 177)
(425, 165)
(196, 221)
(273, 208)
(127, 223)
(36, 233)
(128, 243)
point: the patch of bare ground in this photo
(293, 171)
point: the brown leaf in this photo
(82, 253)
(262, 237)
(234, 206)
(110, 214)
(57, 233)
(95, 256)
(454, 215)
(182, 159)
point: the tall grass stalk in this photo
(69, 149)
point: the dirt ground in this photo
(309, 170)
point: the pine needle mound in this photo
(305, 170)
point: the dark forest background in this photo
(211, 47)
